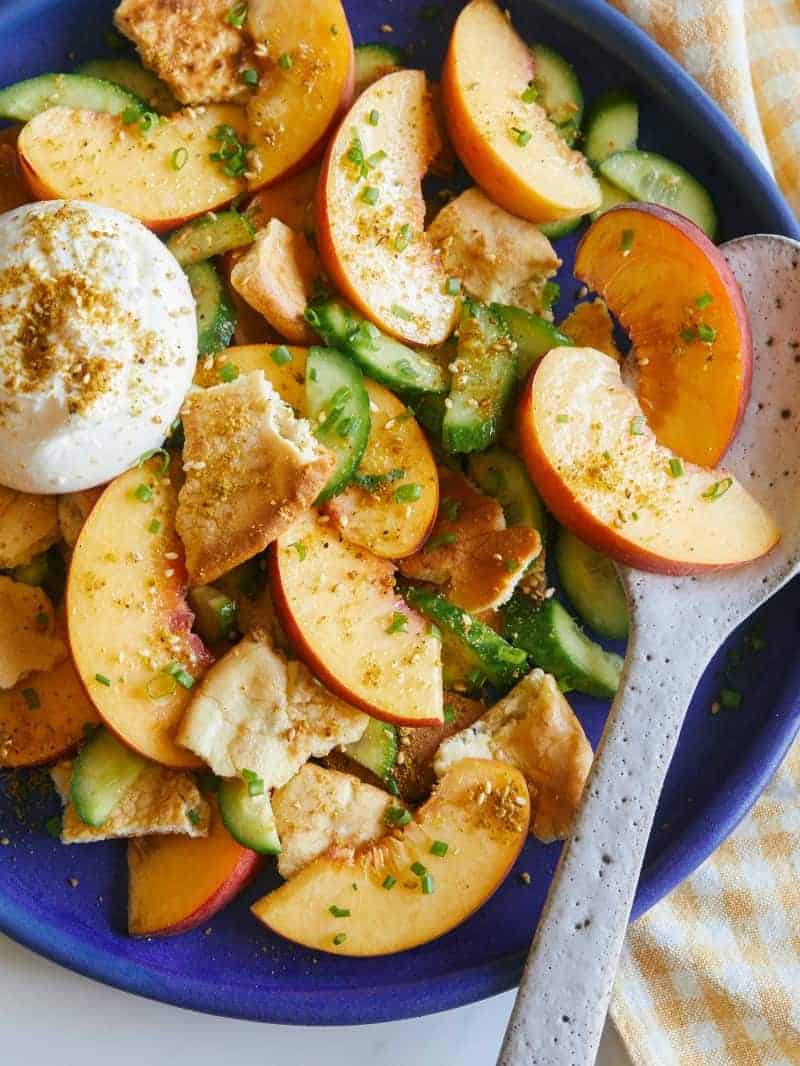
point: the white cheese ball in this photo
(98, 344)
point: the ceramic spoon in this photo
(676, 626)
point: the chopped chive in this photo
(408, 493)
(255, 784)
(148, 121)
(637, 426)
(53, 826)
(427, 884)
(229, 372)
(676, 467)
(522, 136)
(402, 238)
(101, 679)
(530, 95)
(312, 374)
(452, 287)
(512, 565)
(449, 713)
(439, 540)
(153, 526)
(703, 300)
(562, 418)
(391, 785)
(719, 488)
(374, 117)
(370, 195)
(551, 291)
(626, 240)
(688, 335)
(376, 158)
(285, 61)
(146, 456)
(237, 15)
(339, 912)
(31, 697)
(160, 687)
(281, 355)
(184, 679)
(179, 158)
(130, 115)
(194, 816)
(397, 816)
(439, 847)
(300, 548)
(340, 939)
(451, 508)
(398, 624)
(401, 312)
(388, 882)
(730, 699)
(706, 333)
(143, 493)
(418, 869)
(250, 76)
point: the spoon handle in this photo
(563, 997)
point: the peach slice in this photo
(129, 624)
(122, 167)
(305, 55)
(290, 200)
(338, 605)
(509, 145)
(14, 191)
(178, 882)
(480, 811)
(672, 290)
(370, 211)
(604, 475)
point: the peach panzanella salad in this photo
(282, 446)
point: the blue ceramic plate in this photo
(722, 763)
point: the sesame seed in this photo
(169, 573)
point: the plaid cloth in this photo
(711, 975)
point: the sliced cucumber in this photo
(593, 586)
(482, 393)
(612, 125)
(210, 235)
(375, 60)
(532, 336)
(492, 658)
(501, 474)
(655, 180)
(612, 195)
(248, 818)
(25, 99)
(132, 76)
(559, 91)
(560, 228)
(338, 405)
(47, 571)
(216, 315)
(103, 774)
(386, 360)
(216, 615)
(555, 642)
(377, 748)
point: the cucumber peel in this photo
(376, 749)
(23, 100)
(210, 235)
(593, 586)
(337, 404)
(612, 125)
(104, 772)
(131, 75)
(216, 315)
(532, 336)
(501, 474)
(248, 817)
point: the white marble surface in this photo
(52, 1015)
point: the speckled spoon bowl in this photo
(676, 626)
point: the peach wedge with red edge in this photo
(127, 614)
(306, 83)
(344, 618)
(603, 474)
(120, 166)
(509, 146)
(396, 907)
(672, 290)
(370, 211)
(176, 883)
(391, 518)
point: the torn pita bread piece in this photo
(28, 526)
(498, 257)
(190, 44)
(28, 642)
(414, 769)
(319, 810)
(251, 469)
(159, 801)
(470, 551)
(589, 325)
(254, 710)
(276, 277)
(535, 729)
(73, 510)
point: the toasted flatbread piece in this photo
(28, 526)
(276, 277)
(28, 641)
(534, 729)
(73, 510)
(160, 801)
(319, 809)
(414, 770)
(470, 552)
(498, 257)
(256, 711)
(589, 325)
(190, 45)
(251, 468)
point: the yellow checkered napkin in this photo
(711, 976)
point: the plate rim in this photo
(666, 79)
